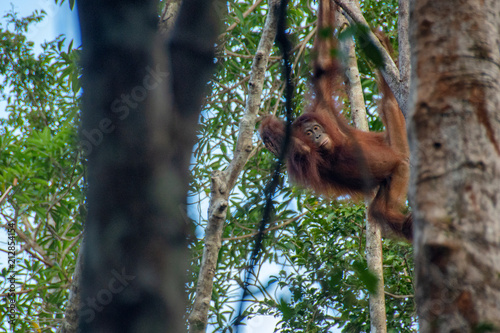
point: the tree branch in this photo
(245, 14)
(70, 322)
(390, 72)
(373, 232)
(224, 181)
(279, 226)
(398, 296)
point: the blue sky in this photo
(59, 19)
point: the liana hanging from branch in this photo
(333, 158)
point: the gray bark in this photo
(374, 256)
(168, 15)
(70, 322)
(390, 72)
(224, 181)
(404, 50)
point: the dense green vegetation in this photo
(312, 272)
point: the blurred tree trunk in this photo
(455, 149)
(69, 323)
(138, 128)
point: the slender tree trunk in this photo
(390, 71)
(374, 257)
(222, 182)
(70, 322)
(404, 51)
(455, 149)
(138, 128)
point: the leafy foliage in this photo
(39, 159)
(313, 273)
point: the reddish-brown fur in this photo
(357, 162)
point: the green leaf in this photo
(368, 278)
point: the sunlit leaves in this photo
(41, 165)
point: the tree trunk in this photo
(69, 323)
(404, 51)
(390, 72)
(374, 258)
(138, 129)
(455, 149)
(222, 182)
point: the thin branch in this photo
(27, 291)
(245, 14)
(398, 296)
(390, 72)
(61, 196)
(282, 225)
(68, 249)
(223, 182)
(42, 255)
(5, 194)
(247, 56)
